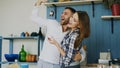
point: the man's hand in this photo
(39, 2)
(43, 1)
(77, 57)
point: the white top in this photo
(49, 52)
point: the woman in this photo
(70, 45)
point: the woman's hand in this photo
(52, 41)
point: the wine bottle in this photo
(22, 54)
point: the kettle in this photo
(115, 63)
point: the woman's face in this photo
(74, 21)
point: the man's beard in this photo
(65, 22)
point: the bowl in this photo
(11, 57)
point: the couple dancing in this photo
(62, 46)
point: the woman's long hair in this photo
(84, 24)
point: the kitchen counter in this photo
(100, 66)
(89, 66)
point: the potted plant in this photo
(114, 5)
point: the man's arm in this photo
(35, 16)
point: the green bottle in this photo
(22, 55)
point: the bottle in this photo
(39, 33)
(22, 54)
(109, 55)
(16, 63)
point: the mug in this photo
(22, 34)
(24, 66)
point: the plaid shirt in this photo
(68, 46)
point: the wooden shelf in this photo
(6, 62)
(11, 40)
(109, 17)
(8, 38)
(112, 21)
(68, 3)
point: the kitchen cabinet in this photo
(112, 21)
(11, 41)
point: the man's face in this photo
(65, 16)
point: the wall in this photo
(15, 16)
(0, 47)
(14, 19)
(101, 39)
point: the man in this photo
(49, 56)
